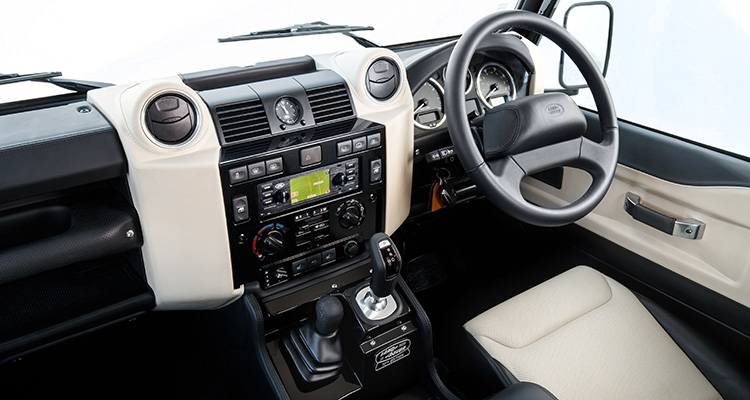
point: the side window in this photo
(677, 67)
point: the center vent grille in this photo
(244, 120)
(330, 103)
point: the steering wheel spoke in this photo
(554, 155)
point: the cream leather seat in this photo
(582, 335)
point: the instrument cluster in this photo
(489, 83)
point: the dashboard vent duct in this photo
(244, 120)
(383, 79)
(330, 103)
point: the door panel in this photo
(720, 260)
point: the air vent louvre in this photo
(330, 103)
(244, 120)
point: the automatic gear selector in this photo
(376, 300)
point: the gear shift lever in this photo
(376, 301)
(315, 348)
(386, 265)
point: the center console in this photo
(302, 177)
(304, 188)
(294, 210)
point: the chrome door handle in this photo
(689, 228)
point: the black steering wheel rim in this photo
(498, 181)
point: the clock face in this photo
(288, 110)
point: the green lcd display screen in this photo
(309, 186)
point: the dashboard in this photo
(200, 187)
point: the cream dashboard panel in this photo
(395, 114)
(178, 194)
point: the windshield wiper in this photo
(75, 85)
(312, 28)
(13, 78)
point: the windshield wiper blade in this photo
(13, 78)
(312, 28)
(75, 85)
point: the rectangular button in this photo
(237, 175)
(373, 141)
(446, 152)
(376, 171)
(239, 208)
(299, 266)
(320, 225)
(343, 148)
(310, 156)
(359, 144)
(256, 170)
(329, 255)
(274, 166)
(314, 260)
(433, 156)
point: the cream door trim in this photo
(719, 261)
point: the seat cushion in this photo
(582, 335)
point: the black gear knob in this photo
(386, 265)
(328, 315)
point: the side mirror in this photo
(591, 23)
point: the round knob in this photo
(328, 315)
(339, 179)
(351, 248)
(272, 242)
(351, 214)
(281, 196)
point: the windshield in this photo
(135, 40)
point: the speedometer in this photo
(495, 85)
(428, 105)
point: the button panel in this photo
(440, 154)
(276, 237)
(358, 144)
(255, 170)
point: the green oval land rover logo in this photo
(554, 110)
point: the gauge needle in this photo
(422, 104)
(285, 110)
(493, 89)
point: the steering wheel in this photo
(533, 133)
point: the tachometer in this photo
(495, 85)
(428, 105)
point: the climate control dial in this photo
(351, 214)
(269, 240)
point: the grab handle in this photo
(685, 228)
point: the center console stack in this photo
(303, 180)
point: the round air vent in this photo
(171, 119)
(383, 79)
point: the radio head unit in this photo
(291, 191)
